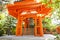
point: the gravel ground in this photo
(28, 37)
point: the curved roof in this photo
(19, 7)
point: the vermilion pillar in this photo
(35, 28)
(38, 30)
(40, 26)
(19, 27)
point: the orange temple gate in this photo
(29, 9)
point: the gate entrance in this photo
(29, 29)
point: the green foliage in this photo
(53, 1)
(10, 25)
(7, 23)
(1, 32)
(47, 23)
(2, 22)
(57, 37)
(10, 22)
(45, 1)
(53, 28)
(2, 19)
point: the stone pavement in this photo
(28, 37)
